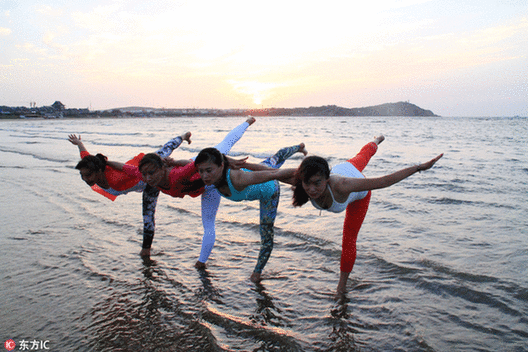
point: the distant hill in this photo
(389, 109)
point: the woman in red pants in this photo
(345, 188)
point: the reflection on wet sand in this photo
(145, 316)
(342, 337)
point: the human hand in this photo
(236, 164)
(199, 265)
(75, 140)
(429, 164)
(187, 137)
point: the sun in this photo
(258, 91)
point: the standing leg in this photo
(355, 214)
(150, 199)
(268, 209)
(210, 203)
(268, 213)
(211, 197)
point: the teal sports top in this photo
(251, 192)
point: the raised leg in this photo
(169, 147)
(277, 160)
(362, 158)
(234, 136)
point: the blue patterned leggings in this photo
(268, 208)
(150, 196)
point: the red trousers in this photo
(355, 212)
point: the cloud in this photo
(31, 48)
(48, 11)
(5, 31)
(272, 53)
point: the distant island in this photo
(389, 109)
(58, 110)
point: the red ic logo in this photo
(10, 345)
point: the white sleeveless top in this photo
(347, 170)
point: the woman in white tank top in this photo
(346, 188)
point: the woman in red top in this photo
(111, 182)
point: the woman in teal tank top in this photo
(259, 184)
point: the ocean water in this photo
(442, 256)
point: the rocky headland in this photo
(58, 110)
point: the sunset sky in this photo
(456, 58)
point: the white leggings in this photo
(211, 197)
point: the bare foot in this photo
(251, 120)
(340, 296)
(341, 286)
(145, 252)
(187, 137)
(199, 265)
(379, 139)
(302, 149)
(255, 277)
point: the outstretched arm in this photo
(241, 179)
(257, 167)
(76, 140)
(115, 165)
(170, 162)
(237, 164)
(348, 185)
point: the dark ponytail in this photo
(300, 197)
(93, 163)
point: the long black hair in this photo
(93, 163)
(310, 166)
(213, 155)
